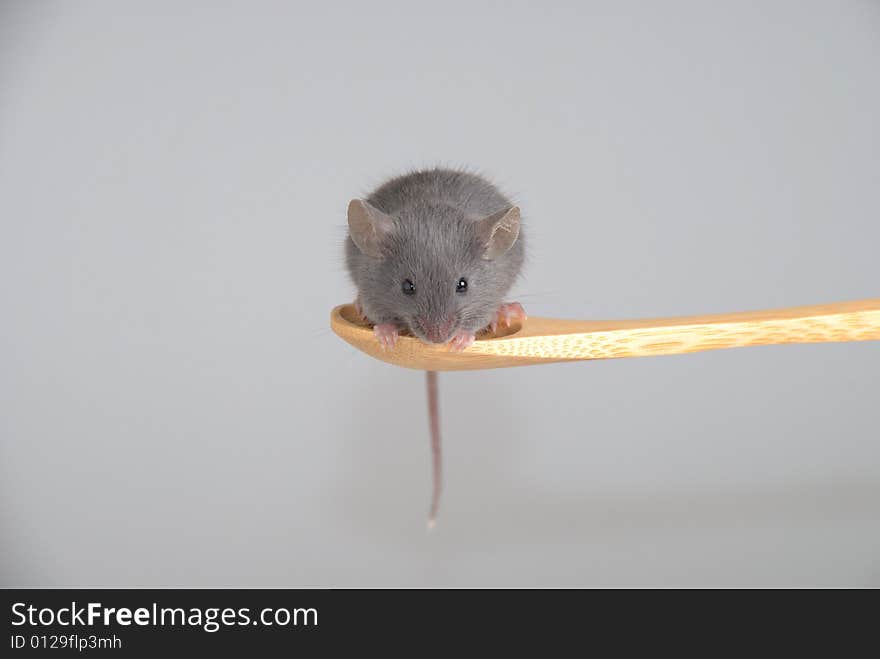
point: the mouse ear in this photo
(368, 227)
(499, 232)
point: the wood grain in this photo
(549, 340)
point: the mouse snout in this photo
(431, 332)
(436, 331)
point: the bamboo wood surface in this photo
(548, 340)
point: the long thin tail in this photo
(436, 457)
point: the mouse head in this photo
(434, 269)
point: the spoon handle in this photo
(549, 339)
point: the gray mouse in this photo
(434, 253)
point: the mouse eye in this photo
(408, 287)
(461, 287)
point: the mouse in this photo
(434, 253)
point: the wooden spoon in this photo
(548, 340)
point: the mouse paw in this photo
(359, 310)
(461, 341)
(387, 334)
(506, 313)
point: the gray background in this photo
(173, 181)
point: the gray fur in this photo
(436, 239)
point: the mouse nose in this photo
(437, 332)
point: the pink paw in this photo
(359, 310)
(387, 334)
(461, 341)
(507, 312)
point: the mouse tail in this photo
(436, 456)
